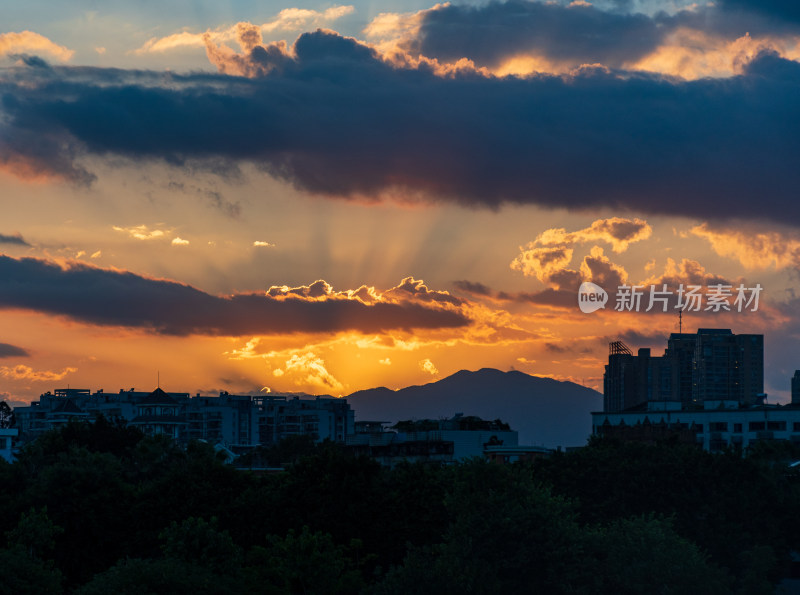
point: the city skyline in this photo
(326, 198)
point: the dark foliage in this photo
(100, 508)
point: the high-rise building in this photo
(679, 361)
(796, 388)
(711, 365)
(727, 367)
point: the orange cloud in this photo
(541, 262)
(753, 250)
(618, 232)
(22, 372)
(247, 34)
(143, 232)
(426, 365)
(308, 368)
(30, 42)
(693, 54)
(548, 256)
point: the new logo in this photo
(591, 297)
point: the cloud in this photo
(107, 297)
(142, 232)
(493, 34)
(247, 34)
(416, 289)
(176, 241)
(310, 369)
(426, 365)
(409, 289)
(7, 350)
(687, 272)
(548, 256)
(593, 138)
(617, 231)
(473, 287)
(522, 38)
(27, 373)
(596, 267)
(754, 250)
(542, 263)
(556, 348)
(15, 239)
(260, 244)
(637, 338)
(385, 362)
(775, 9)
(28, 41)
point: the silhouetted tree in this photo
(7, 419)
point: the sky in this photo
(322, 198)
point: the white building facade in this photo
(717, 426)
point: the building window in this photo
(796, 426)
(737, 428)
(776, 426)
(718, 426)
(755, 426)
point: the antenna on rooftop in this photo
(680, 321)
(158, 378)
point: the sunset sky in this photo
(330, 197)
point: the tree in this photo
(166, 576)
(201, 542)
(645, 555)
(305, 563)
(35, 533)
(25, 562)
(7, 419)
(506, 534)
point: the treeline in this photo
(100, 508)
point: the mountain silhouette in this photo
(544, 411)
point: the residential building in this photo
(323, 418)
(435, 441)
(159, 414)
(707, 389)
(237, 422)
(716, 426)
(7, 438)
(711, 365)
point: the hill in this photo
(542, 410)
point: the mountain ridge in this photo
(543, 410)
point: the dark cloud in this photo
(781, 10)
(473, 287)
(635, 339)
(556, 348)
(113, 298)
(576, 34)
(602, 271)
(410, 287)
(336, 120)
(556, 298)
(14, 238)
(8, 350)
